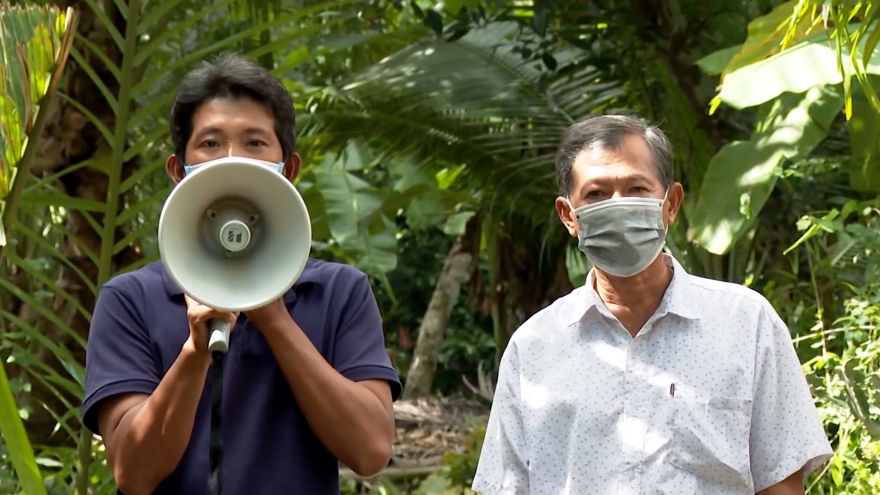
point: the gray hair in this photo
(607, 132)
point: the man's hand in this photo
(198, 315)
(268, 317)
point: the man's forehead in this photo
(219, 119)
(232, 108)
(614, 164)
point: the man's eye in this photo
(257, 143)
(209, 143)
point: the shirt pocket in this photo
(710, 438)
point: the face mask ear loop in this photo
(662, 208)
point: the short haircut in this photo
(232, 75)
(607, 132)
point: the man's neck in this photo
(634, 299)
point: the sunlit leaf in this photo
(742, 175)
(812, 62)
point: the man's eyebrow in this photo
(630, 178)
(208, 130)
(257, 130)
(216, 130)
(639, 178)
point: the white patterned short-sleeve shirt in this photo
(709, 398)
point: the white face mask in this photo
(622, 236)
(189, 168)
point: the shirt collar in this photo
(308, 276)
(677, 300)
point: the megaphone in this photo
(234, 235)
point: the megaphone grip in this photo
(218, 340)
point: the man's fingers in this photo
(231, 318)
(198, 313)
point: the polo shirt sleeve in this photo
(359, 350)
(119, 359)
(503, 464)
(786, 434)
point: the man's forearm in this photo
(793, 485)
(347, 418)
(152, 437)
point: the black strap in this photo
(215, 454)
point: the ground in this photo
(427, 429)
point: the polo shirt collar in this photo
(308, 276)
(677, 300)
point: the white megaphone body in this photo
(234, 235)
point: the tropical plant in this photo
(88, 211)
(470, 112)
(35, 43)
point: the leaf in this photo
(810, 63)
(742, 174)
(715, 63)
(864, 136)
(458, 34)
(434, 21)
(549, 61)
(456, 224)
(453, 6)
(577, 265)
(765, 37)
(416, 9)
(859, 395)
(35, 44)
(349, 203)
(473, 106)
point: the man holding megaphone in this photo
(237, 363)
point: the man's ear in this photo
(174, 169)
(567, 216)
(674, 198)
(292, 167)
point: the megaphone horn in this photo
(234, 235)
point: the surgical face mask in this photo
(622, 236)
(189, 168)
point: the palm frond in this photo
(35, 43)
(474, 103)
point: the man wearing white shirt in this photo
(647, 380)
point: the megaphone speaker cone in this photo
(234, 234)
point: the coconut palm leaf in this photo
(473, 103)
(35, 43)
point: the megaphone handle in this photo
(218, 341)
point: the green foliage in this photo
(416, 121)
(839, 344)
(35, 44)
(85, 219)
(743, 173)
(475, 103)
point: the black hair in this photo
(607, 132)
(232, 75)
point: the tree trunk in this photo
(455, 272)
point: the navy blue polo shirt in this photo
(139, 326)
